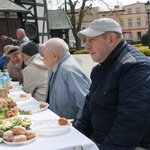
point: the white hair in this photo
(21, 31)
(57, 44)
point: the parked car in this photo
(72, 43)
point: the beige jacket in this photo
(35, 76)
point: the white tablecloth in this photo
(72, 140)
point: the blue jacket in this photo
(2, 61)
(68, 88)
(117, 109)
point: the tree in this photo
(77, 23)
(144, 39)
(76, 18)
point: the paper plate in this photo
(17, 88)
(32, 106)
(50, 127)
(20, 143)
(16, 97)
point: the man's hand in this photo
(4, 37)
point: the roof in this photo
(111, 9)
(134, 4)
(9, 6)
(58, 19)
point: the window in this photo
(130, 22)
(31, 30)
(121, 23)
(138, 10)
(129, 11)
(131, 36)
(139, 35)
(138, 22)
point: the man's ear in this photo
(54, 54)
(112, 39)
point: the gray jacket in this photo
(18, 42)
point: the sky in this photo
(98, 2)
(119, 2)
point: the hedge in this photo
(144, 49)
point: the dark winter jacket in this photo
(117, 109)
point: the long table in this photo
(71, 140)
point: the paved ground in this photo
(86, 62)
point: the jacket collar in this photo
(114, 54)
(60, 61)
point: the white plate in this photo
(16, 97)
(17, 88)
(20, 143)
(32, 106)
(50, 127)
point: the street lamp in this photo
(147, 7)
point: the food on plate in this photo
(8, 135)
(24, 112)
(8, 124)
(8, 108)
(23, 95)
(18, 134)
(30, 134)
(42, 105)
(62, 121)
(10, 114)
(19, 130)
(9, 87)
(19, 138)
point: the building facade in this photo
(132, 18)
(135, 21)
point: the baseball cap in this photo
(100, 26)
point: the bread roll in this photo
(62, 121)
(23, 95)
(8, 135)
(19, 138)
(42, 105)
(19, 130)
(30, 134)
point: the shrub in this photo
(81, 52)
(140, 47)
(144, 39)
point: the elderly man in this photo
(21, 38)
(35, 74)
(116, 113)
(68, 85)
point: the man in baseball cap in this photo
(116, 114)
(99, 27)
